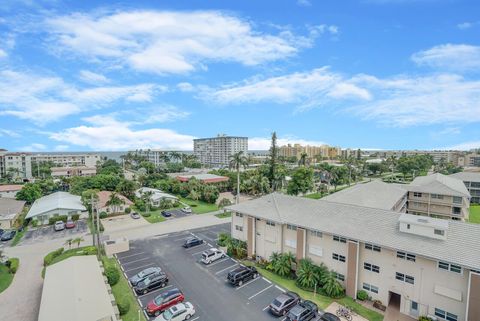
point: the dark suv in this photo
(283, 303)
(304, 311)
(142, 275)
(152, 282)
(192, 241)
(242, 274)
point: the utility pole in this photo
(93, 220)
(98, 231)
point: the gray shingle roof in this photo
(10, 207)
(376, 194)
(439, 184)
(368, 225)
(467, 176)
(58, 200)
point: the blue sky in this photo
(91, 75)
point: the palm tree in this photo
(69, 243)
(307, 275)
(175, 156)
(303, 159)
(114, 201)
(238, 160)
(146, 198)
(194, 195)
(331, 286)
(78, 240)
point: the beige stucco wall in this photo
(434, 206)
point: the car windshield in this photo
(146, 281)
(168, 315)
(159, 299)
(277, 303)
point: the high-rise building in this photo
(296, 150)
(18, 165)
(216, 151)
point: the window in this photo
(371, 267)
(406, 256)
(239, 228)
(370, 288)
(338, 257)
(372, 247)
(270, 223)
(316, 233)
(417, 194)
(291, 227)
(239, 214)
(404, 278)
(339, 276)
(445, 315)
(437, 196)
(449, 267)
(456, 210)
(339, 239)
(439, 232)
(457, 200)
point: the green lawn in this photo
(314, 196)
(6, 278)
(224, 214)
(155, 216)
(321, 300)
(18, 236)
(122, 291)
(474, 214)
(199, 207)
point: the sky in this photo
(121, 75)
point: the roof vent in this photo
(423, 226)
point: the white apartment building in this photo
(472, 183)
(71, 171)
(216, 151)
(157, 156)
(418, 265)
(68, 159)
(19, 165)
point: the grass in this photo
(6, 278)
(122, 291)
(474, 214)
(321, 300)
(224, 214)
(199, 207)
(18, 236)
(155, 216)
(314, 196)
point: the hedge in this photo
(53, 219)
(103, 215)
(123, 306)
(112, 274)
(13, 265)
(50, 256)
(362, 295)
(128, 210)
(75, 217)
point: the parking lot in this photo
(46, 233)
(204, 286)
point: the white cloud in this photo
(107, 133)
(43, 99)
(450, 131)
(304, 3)
(61, 148)
(464, 146)
(92, 77)
(456, 57)
(35, 147)
(3, 53)
(464, 25)
(264, 143)
(9, 133)
(185, 87)
(166, 42)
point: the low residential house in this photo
(472, 183)
(204, 178)
(76, 290)
(156, 195)
(9, 191)
(104, 203)
(71, 171)
(10, 209)
(439, 196)
(413, 264)
(59, 203)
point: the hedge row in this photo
(12, 265)
(47, 260)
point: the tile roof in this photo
(439, 184)
(104, 197)
(6, 188)
(58, 200)
(368, 225)
(9, 208)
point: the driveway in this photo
(47, 233)
(122, 222)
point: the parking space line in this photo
(140, 302)
(193, 254)
(139, 267)
(249, 282)
(195, 318)
(159, 289)
(145, 258)
(131, 255)
(223, 270)
(196, 247)
(265, 307)
(146, 315)
(260, 292)
(267, 280)
(219, 261)
(280, 288)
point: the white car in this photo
(212, 255)
(179, 312)
(59, 226)
(187, 210)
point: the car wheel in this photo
(284, 312)
(188, 316)
(240, 283)
(164, 285)
(157, 313)
(145, 291)
(223, 256)
(255, 275)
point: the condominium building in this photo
(158, 157)
(472, 183)
(68, 159)
(216, 151)
(449, 156)
(418, 265)
(71, 171)
(296, 150)
(438, 196)
(19, 165)
(469, 160)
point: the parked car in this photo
(1, 231)
(166, 214)
(283, 303)
(70, 224)
(142, 275)
(179, 312)
(164, 301)
(8, 235)
(187, 210)
(135, 215)
(212, 255)
(59, 226)
(303, 311)
(152, 282)
(329, 317)
(241, 275)
(192, 241)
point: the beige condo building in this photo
(296, 150)
(418, 265)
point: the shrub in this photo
(146, 214)
(47, 260)
(112, 275)
(424, 318)
(53, 219)
(103, 214)
(13, 265)
(34, 223)
(90, 250)
(128, 210)
(362, 295)
(75, 217)
(123, 306)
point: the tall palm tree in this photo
(78, 240)
(238, 160)
(175, 156)
(114, 201)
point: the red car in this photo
(70, 224)
(164, 301)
